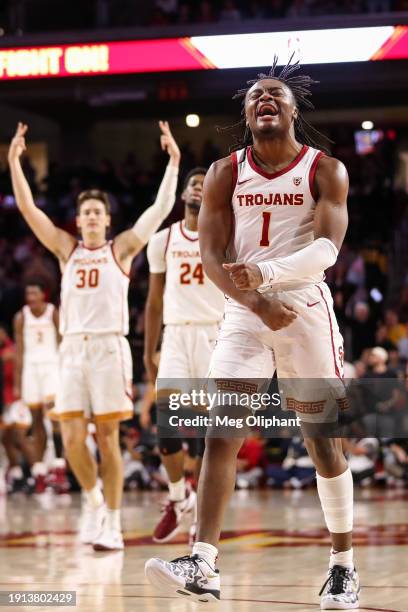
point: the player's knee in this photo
(107, 435)
(324, 452)
(72, 439)
(169, 446)
(223, 446)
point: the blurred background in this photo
(92, 104)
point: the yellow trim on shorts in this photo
(37, 406)
(65, 416)
(112, 416)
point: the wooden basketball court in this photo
(273, 555)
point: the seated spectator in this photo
(396, 331)
(396, 460)
(362, 328)
(362, 457)
(249, 462)
(297, 470)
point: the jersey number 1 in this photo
(265, 229)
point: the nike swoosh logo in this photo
(314, 304)
(242, 182)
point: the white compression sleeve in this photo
(150, 221)
(314, 258)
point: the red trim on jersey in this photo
(167, 242)
(117, 262)
(185, 235)
(234, 162)
(312, 174)
(274, 175)
(336, 369)
(93, 248)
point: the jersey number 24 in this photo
(187, 274)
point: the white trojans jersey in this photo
(273, 213)
(39, 336)
(94, 292)
(189, 295)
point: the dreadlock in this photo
(299, 86)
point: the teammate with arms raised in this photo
(95, 360)
(191, 306)
(288, 204)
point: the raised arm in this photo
(53, 238)
(330, 226)
(214, 232)
(128, 244)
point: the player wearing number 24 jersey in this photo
(95, 362)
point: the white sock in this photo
(208, 552)
(336, 498)
(94, 497)
(344, 558)
(15, 472)
(59, 463)
(178, 490)
(113, 519)
(39, 469)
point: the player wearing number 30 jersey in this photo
(95, 362)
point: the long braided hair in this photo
(300, 86)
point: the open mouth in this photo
(267, 110)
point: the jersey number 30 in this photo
(186, 275)
(87, 278)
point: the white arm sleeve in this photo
(314, 258)
(150, 221)
(156, 255)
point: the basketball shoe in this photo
(341, 589)
(91, 522)
(173, 514)
(189, 577)
(108, 539)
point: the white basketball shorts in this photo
(39, 383)
(307, 355)
(95, 373)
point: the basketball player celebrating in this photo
(193, 307)
(288, 202)
(36, 371)
(95, 360)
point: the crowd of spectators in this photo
(373, 320)
(22, 16)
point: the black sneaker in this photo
(189, 577)
(341, 589)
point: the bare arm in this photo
(18, 324)
(53, 238)
(55, 318)
(214, 231)
(330, 226)
(153, 322)
(129, 243)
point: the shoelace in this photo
(337, 579)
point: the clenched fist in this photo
(245, 276)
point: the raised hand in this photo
(18, 145)
(245, 276)
(168, 142)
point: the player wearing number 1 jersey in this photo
(95, 362)
(281, 204)
(191, 307)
